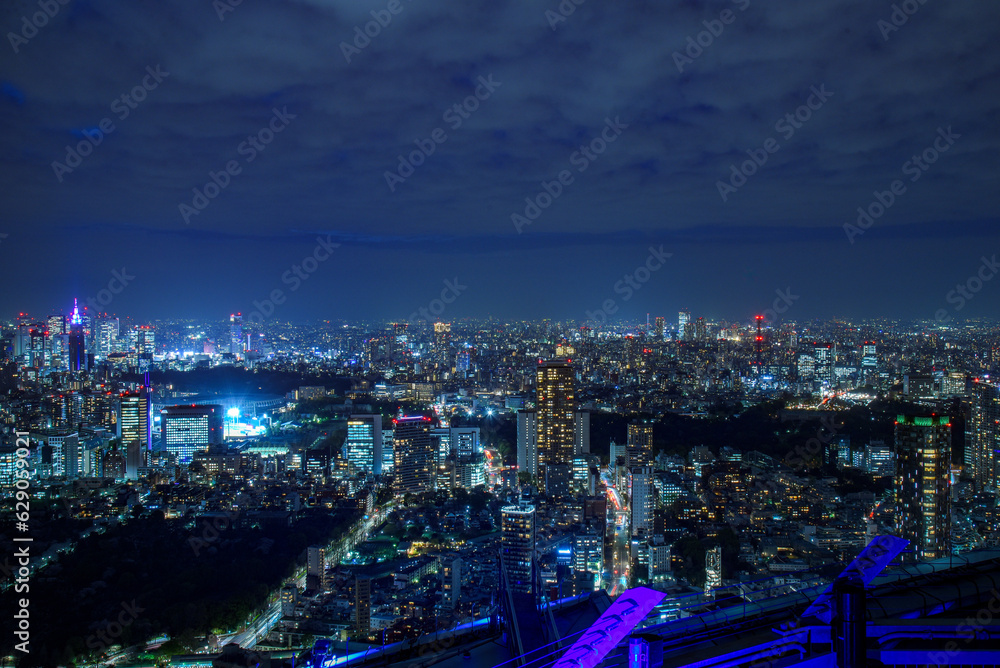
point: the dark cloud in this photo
(325, 172)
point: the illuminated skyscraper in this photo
(77, 346)
(134, 419)
(442, 344)
(39, 346)
(388, 451)
(983, 434)
(363, 446)
(658, 327)
(869, 357)
(107, 336)
(588, 552)
(236, 334)
(517, 547)
(639, 445)
(922, 484)
(145, 345)
(145, 341)
(58, 343)
(825, 355)
(683, 318)
(527, 442)
(555, 406)
(188, 429)
(581, 430)
(22, 340)
(414, 453)
(397, 344)
(642, 500)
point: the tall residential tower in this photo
(554, 422)
(922, 484)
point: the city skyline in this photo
(563, 334)
(648, 321)
(715, 153)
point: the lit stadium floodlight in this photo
(233, 412)
(610, 628)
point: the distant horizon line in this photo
(669, 322)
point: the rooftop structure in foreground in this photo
(934, 613)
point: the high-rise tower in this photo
(984, 435)
(134, 429)
(236, 334)
(77, 346)
(554, 420)
(639, 445)
(442, 344)
(922, 484)
(363, 446)
(414, 454)
(517, 547)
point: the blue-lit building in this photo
(363, 445)
(191, 428)
(415, 463)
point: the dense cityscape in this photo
(447, 334)
(310, 488)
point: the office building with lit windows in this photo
(145, 341)
(922, 484)
(236, 334)
(188, 429)
(465, 441)
(555, 408)
(517, 547)
(106, 336)
(642, 499)
(442, 344)
(527, 442)
(388, 451)
(983, 436)
(639, 444)
(414, 454)
(588, 552)
(363, 446)
(134, 419)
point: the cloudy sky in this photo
(684, 93)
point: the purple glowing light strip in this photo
(866, 566)
(610, 628)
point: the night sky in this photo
(676, 114)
